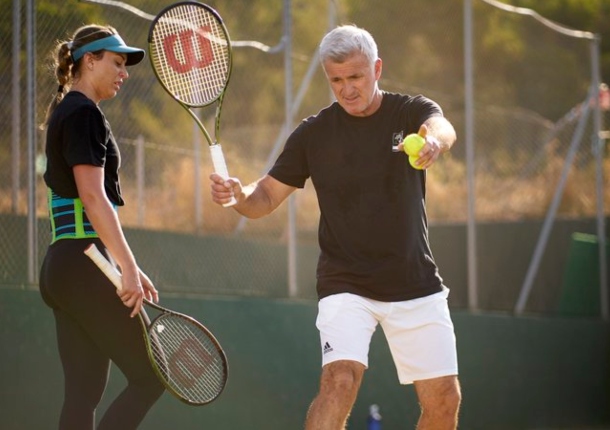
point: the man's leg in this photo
(439, 399)
(339, 386)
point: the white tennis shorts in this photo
(419, 332)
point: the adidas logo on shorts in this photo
(327, 348)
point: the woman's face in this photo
(107, 74)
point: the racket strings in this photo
(188, 359)
(185, 372)
(190, 52)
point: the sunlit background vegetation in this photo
(530, 83)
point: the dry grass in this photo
(169, 205)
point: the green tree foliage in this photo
(586, 15)
(527, 77)
(414, 61)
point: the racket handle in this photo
(220, 167)
(105, 266)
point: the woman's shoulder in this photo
(77, 99)
(77, 106)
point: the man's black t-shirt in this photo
(78, 133)
(373, 230)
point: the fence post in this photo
(16, 106)
(471, 245)
(140, 179)
(598, 152)
(32, 230)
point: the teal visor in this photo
(112, 43)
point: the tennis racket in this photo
(186, 357)
(190, 52)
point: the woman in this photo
(94, 326)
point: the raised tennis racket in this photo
(190, 52)
(186, 357)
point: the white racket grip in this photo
(220, 167)
(105, 266)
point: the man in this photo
(375, 265)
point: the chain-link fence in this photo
(530, 85)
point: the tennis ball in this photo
(412, 160)
(412, 144)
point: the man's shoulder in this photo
(405, 99)
(323, 114)
(324, 118)
(410, 104)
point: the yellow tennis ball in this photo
(412, 160)
(412, 144)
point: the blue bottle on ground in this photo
(373, 422)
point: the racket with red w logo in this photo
(190, 52)
(184, 354)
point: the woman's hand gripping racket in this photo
(190, 52)
(186, 357)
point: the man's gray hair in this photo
(346, 40)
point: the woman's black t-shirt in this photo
(78, 133)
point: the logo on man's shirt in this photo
(396, 139)
(327, 348)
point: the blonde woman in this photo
(94, 322)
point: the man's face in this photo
(354, 84)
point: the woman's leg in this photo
(95, 328)
(85, 374)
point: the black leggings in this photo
(93, 328)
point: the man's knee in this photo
(443, 394)
(342, 376)
(451, 399)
